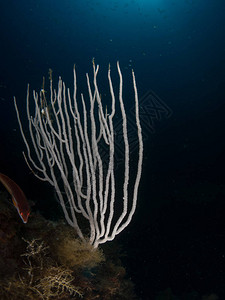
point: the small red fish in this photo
(18, 197)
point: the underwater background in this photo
(175, 245)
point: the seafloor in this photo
(45, 260)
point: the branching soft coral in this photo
(56, 282)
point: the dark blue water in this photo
(177, 50)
